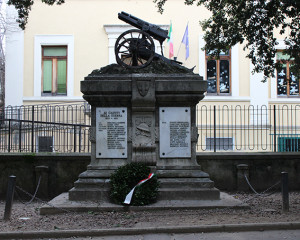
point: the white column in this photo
(235, 71)
(258, 89)
(258, 98)
(14, 62)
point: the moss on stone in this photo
(156, 67)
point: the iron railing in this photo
(248, 128)
(45, 128)
(64, 128)
(56, 113)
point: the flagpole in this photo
(178, 50)
(180, 44)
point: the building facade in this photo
(63, 44)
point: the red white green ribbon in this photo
(129, 195)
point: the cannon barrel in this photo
(153, 30)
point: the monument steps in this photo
(87, 183)
(189, 194)
(186, 183)
(92, 194)
(181, 173)
(94, 174)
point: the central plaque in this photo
(175, 132)
(111, 132)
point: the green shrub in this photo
(128, 176)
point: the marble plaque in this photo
(111, 132)
(175, 132)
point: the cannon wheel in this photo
(134, 49)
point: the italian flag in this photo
(170, 41)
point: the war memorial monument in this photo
(143, 109)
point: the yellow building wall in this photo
(85, 19)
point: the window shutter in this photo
(61, 76)
(47, 76)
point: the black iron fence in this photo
(46, 128)
(249, 128)
(65, 128)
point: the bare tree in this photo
(7, 25)
(2, 55)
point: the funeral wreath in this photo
(134, 178)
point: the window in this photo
(287, 83)
(54, 70)
(221, 143)
(218, 74)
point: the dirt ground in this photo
(262, 209)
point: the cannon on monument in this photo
(135, 48)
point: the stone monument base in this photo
(62, 203)
(145, 117)
(189, 183)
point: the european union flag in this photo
(185, 40)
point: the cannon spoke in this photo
(134, 49)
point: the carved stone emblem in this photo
(143, 87)
(143, 128)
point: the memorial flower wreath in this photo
(133, 179)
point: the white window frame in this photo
(274, 97)
(234, 71)
(53, 40)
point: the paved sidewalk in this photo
(151, 231)
(257, 235)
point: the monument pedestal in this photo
(148, 118)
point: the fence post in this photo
(20, 136)
(74, 138)
(242, 170)
(42, 177)
(9, 196)
(32, 130)
(285, 191)
(9, 133)
(275, 144)
(215, 135)
(79, 137)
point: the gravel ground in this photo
(262, 210)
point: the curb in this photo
(151, 230)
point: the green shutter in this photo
(47, 76)
(62, 76)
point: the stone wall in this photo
(264, 169)
(62, 170)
